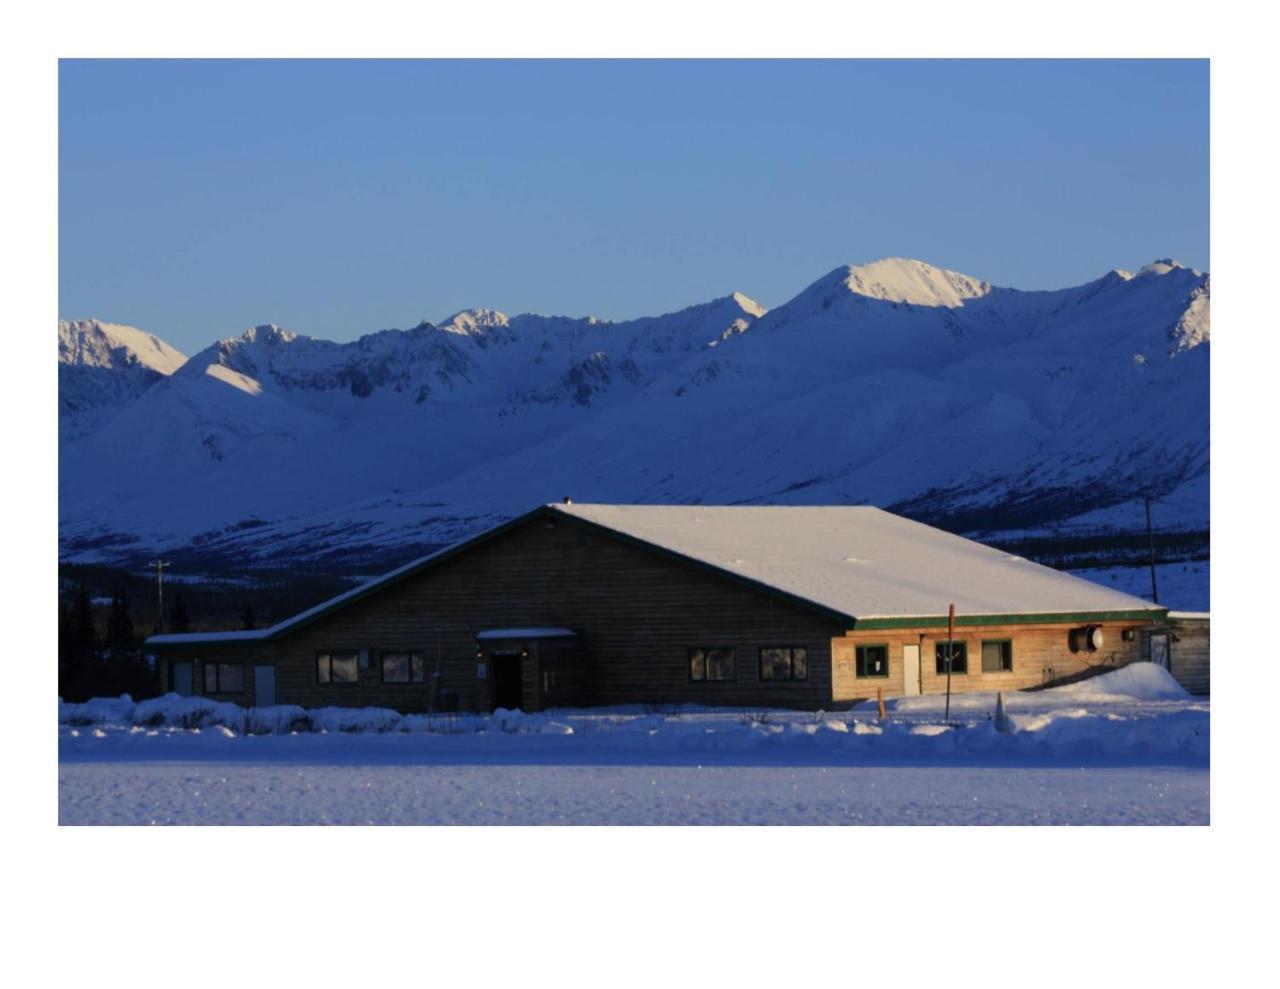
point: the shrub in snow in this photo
(99, 711)
(174, 711)
(282, 719)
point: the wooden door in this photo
(506, 680)
(264, 686)
(180, 679)
(910, 670)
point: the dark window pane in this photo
(697, 664)
(210, 678)
(322, 668)
(395, 667)
(230, 678)
(417, 668)
(800, 664)
(873, 661)
(721, 664)
(344, 667)
(775, 664)
(959, 658)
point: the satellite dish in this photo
(1094, 638)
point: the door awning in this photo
(525, 633)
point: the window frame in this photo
(858, 663)
(409, 654)
(1005, 653)
(791, 664)
(940, 661)
(216, 669)
(329, 654)
(705, 650)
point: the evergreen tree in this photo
(83, 671)
(66, 662)
(179, 619)
(120, 640)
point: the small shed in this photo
(1180, 644)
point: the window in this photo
(223, 678)
(403, 667)
(784, 663)
(959, 658)
(873, 661)
(337, 667)
(997, 656)
(712, 664)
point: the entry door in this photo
(264, 686)
(506, 680)
(1160, 650)
(911, 670)
(180, 678)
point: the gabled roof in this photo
(862, 562)
(860, 566)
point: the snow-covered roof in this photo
(526, 633)
(859, 561)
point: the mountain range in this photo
(986, 410)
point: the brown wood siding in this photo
(1041, 653)
(1188, 655)
(637, 612)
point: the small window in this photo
(873, 661)
(784, 663)
(223, 678)
(959, 658)
(997, 656)
(337, 667)
(403, 667)
(712, 664)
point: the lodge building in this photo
(571, 605)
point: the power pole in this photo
(951, 628)
(160, 565)
(1151, 546)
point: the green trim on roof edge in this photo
(1042, 618)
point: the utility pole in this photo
(1151, 546)
(951, 628)
(160, 565)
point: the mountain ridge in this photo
(894, 383)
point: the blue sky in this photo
(335, 198)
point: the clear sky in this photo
(336, 198)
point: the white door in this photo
(264, 686)
(910, 670)
(1160, 650)
(180, 678)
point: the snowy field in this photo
(1128, 747)
(1182, 586)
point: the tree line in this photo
(111, 661)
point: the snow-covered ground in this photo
(1181, 586)
(1127, 747)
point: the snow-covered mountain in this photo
(101, 367)
(892, 383)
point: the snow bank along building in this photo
(610, 604)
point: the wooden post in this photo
(1002, 715)
(951, 627)
(880, 701)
